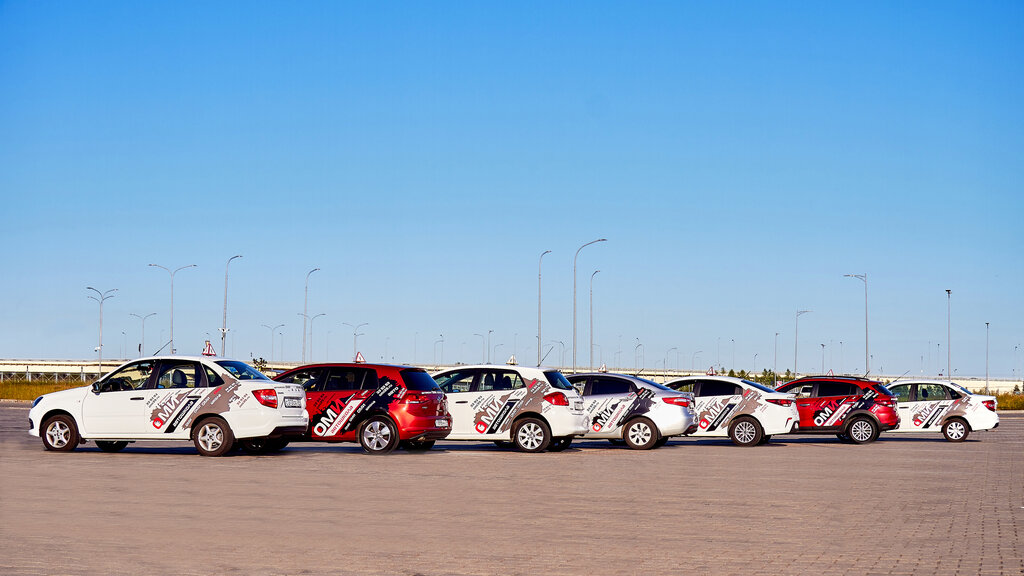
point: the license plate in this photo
(577, 405)
(441, 423)
(293, 402)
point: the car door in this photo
(457, 386)
(903, 396)
(607, 401)
(927, 405)
(832, 403)
(312, 381)
(343, 390)
(716, 402)
(117, 405)
(495, 399)
(171, 396)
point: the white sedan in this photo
(934, 405)
(746, 411)
(212, 402)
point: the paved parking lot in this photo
(802, 505)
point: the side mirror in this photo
(96, 387)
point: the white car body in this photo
(725, 399)
(613, 400)
(929, 405)
(485, 401)
(162, 398)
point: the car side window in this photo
(837, 389)
(178, 374)
(345, 378)
(930, 392)
(131, 377)
(684, 387)
(499, 380)
(457, 381)
(309, 379)
(212, 378)
(718, 388)
(801, 390)
(601, 385)
(902, 392)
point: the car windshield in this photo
(760, 387)
(419, 381)
(241, 370)
(882, 390)
(557, 380)
(655, 384)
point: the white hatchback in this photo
(746, 411)
(536, 409)
(934, 405)
(212, 402)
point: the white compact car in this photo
(746, 411)
(534, 408)
(212, 402)
(934, 405)
(633, 410)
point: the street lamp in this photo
(142, 345)
(172, 297)
(224, 324)
(693, 359)
(100, 297)
(592, 319)
(483, 349)
(561, 353)
(311, 348)
(489, 332)
(496, 346)
(796, 339)
(733, 353)
(574, 298)
(272, 330)
(986, 357)
(949, 355)
(666, 357)
(305, 311)
(775, 364)
(864, 278)
(355, 336)
(539, 262)
(636, 355)
(822, 359)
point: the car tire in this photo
(59, 433)
(862, 430)
(531, 435)
(956, 430)
(560, 444)
(213, 437)
(745, 431)
(378, 435)
(417, 445)
(257, 446)
(111, 446)
(640, 434)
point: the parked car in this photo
(533, 408)
(212, 402)
(854, 409)
(934, 405)
(745, 411)
(632, 410)
(380, 406)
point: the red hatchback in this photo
(379, 406)
(854, 409)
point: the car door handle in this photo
(194, 396)
(803, 403)
(462, 401)
(138, 398)
(904, 407)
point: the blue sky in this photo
(739, 157)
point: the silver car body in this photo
(612, 400)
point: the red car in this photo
(854, 409)
(379, 406)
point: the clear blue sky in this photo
(739, 157)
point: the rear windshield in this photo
(760, 387)
(419, 381)
(241, 370)
(882, 390)
(557, 380)
(655, 384)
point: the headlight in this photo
(36, 401)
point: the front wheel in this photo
(955, 430)
(641, 434)
(60, 434)
(213, 437)
(531, 435)
(378, 435)
(745, 432)
(862, 431)
(111, 446)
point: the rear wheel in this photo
(862, 430)
(531, 435)
(559, 444)
(59, 433)
(955, 430)
(213, 437)
(641, 434)
(109, 446)
(745, 432)
(378, 435)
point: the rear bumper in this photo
(436, 434)
(287, 431)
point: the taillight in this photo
(413, 398)
(780, 401)
(556, 399)
(677, 401)
(990, 404)
(267, 397)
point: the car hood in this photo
(64, 395)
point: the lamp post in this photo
(224, 323)
(864, 278)
(172, 296)
(100, 297)
(693, 359)
(753, 365)
(666, 357)
(561, 352)
(272, 330)
(574, 298)
(142, 345)
(733, 367)
(489, 332)
(592, 319)
(822, 359)
(949, 354)
(311, 348)
(986, 357)
(355, 336)
(305, 311)
(775, 364)
(539, 262)
(496, 346)
(636, 355)
(483, 349)
(796, 340)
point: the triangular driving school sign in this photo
(359, 357)
(208, 349)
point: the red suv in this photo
(379, 406)
(855, 409)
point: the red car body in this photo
(831, 404)
(340, 398)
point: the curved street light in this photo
(355, 336)
(142, 345)
(574, 298)
(100, 297)
(272, 329)
(539, 262)
(867, 356)
(176, 270)
(796, 339)
(224, 323)
(305, 312)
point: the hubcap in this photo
(530, 436)
(956, 430)
(58, 434)
(860, 431)
(376, 435)
(640, 434)
(745, 432)
(211, 437)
